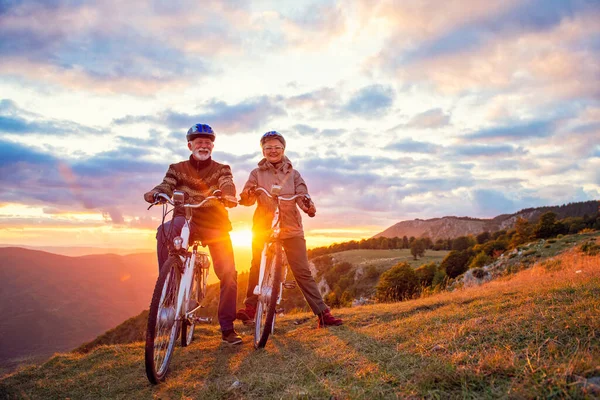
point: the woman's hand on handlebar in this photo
(229, 201)
(308, 206)
(248, 197)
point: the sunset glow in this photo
(391, 110)
(241, 238)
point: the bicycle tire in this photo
(162, 330)
(267, 299)
(188, 324)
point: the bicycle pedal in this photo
(249, 322)
(289, 284)
(203, 320)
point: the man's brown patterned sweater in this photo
(199, 179)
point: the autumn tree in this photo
(417, 248)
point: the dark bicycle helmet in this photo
(272, 135)
(200, 130)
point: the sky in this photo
(392, 110)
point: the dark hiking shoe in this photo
(231, 337)
(246, 314)
(326, 319)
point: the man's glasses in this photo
(271, 148)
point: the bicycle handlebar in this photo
(305, 200)
(164, 198)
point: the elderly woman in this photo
(276, 169)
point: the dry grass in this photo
(535, 334)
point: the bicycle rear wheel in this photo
(267, 299)
(162, 330)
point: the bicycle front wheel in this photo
(267, 299)
(188, 324)
(162, 330)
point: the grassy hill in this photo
(534, 334)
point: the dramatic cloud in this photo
(245, 116)
(391, 110)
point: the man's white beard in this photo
(202, 155)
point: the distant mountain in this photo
(452, 227)
(51, 303)
(77, 251)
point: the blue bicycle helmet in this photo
(200, 130)
(272, 135)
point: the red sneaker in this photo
(326, 319)
(246, 314)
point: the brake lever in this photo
(306, 201)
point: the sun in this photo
(241, 237)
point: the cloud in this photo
(319, 99)
(245, 116)
(476, 150)
(492, 202)
(512, 46)
(113, 46)
(304, 129)
(12, 153)
(409, 145)
(516, 131)
(370, 102)
(430, 119)
(14, 120)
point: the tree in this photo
(427, 242)
(397, 283)
(384, 244)
(523, 232)
(462, 243)
(455, 263)
(545, 227)
(404, 242)
(483, 237)
(417, 248)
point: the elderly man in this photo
(199, 177)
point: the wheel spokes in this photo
(165, 323)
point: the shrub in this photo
(455, 263)
(425, 274)
(440, 278)
(346, 299)
(397, 284)
(480, 260)
(371, 272)
(590, 248)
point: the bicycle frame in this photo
(271, 295)
(189, 264)
(166, 320)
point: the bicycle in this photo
(273, 272)
(179, 291)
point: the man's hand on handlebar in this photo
(150, 196)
